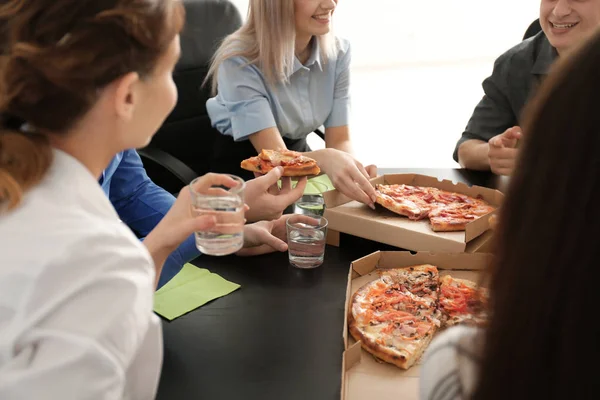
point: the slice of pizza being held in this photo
(293, 163)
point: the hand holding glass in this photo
(222, 196)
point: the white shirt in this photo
(450, 364)
(76, 293)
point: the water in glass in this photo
(306, 247)
(221, 240)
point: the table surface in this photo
(280, 335)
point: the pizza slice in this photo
(411, 201)
(461, 300)
(456, 216)
(293, 163)
(397, 338)
(392, 292)
(391, 334)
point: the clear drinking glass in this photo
(312, 202)
(227, 205)
(306, 240)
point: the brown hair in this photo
(55, 56)
(544, 279)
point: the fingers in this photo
(205, 183)
(513, 133)
(286, 184)
(502, 153)
(223, 217)
(215, 191)
(350, 188)
(502, 166)
(266, 243)
(255, 251)
(271, 177)
(200, 224)
(364, 184)
(294, 194)
(508, 138)
(362, 170)
(371, 170)
(303, 219)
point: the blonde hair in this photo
(267, 40)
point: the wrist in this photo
(157, 248)
(319, 156)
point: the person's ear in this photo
(126, 95)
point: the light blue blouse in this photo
(317, 94)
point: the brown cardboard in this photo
(363, 377)
(383, 226)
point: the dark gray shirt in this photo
(516, 74)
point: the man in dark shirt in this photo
(491, 136)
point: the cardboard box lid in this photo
(364, 377)
(384, 226)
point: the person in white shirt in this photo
(80, 81)
(541, 340)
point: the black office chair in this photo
(181, 149)
(533, 29)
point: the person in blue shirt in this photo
(282, 75)
(141, 205)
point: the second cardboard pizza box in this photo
(384, 226)
(363, 377)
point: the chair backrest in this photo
(187, 133)
(533, 29)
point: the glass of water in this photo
(227, 205)
(312, 202)
(306, 240)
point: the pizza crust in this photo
(448, 226)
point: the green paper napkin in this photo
(191, 288)
(318, 189)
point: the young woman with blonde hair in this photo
(282, 75)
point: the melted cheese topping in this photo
(284, 157)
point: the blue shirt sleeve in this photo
(242, 103)
(141, 204)
(340, 113)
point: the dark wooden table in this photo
(280, 335)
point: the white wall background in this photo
(417, 68)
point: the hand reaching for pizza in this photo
(267, 236)
(266, 199)
(503, 151)
(348, 175)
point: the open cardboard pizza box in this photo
(384, 226)
(363, 377)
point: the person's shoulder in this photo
(524, 51)
(342, 45)
(239, 66)
(450, 363)
(458, 339)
